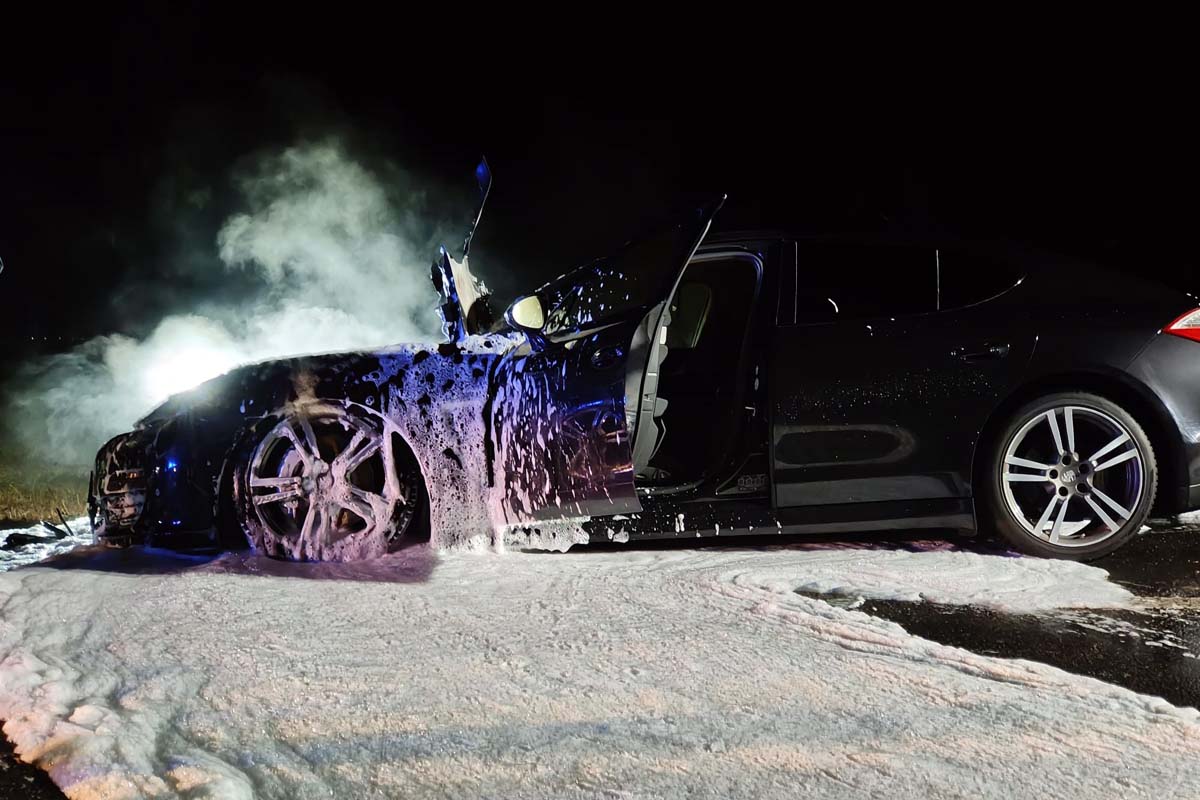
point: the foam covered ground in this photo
(942, 575)
(81, 533)
(695, 673)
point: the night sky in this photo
(110, 137)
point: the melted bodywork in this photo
(516, 436)
(502, 441)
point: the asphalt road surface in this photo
(1154, 651)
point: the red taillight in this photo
(1187, 326)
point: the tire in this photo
(1041, 490)
(329, 483)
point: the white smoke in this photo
(342, 260)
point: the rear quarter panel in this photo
(1100, 330)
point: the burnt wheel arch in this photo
(230, 535)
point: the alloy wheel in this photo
(1072, 476)
(331, 480)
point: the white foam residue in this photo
(659, 673)
(952, 577)
(437, 410)
(80, 533)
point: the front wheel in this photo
(329, 483)
(1072, 476)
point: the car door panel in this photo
(887, 408)
(562, 447)
(564, 408)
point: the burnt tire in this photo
(328, 482)
(1072, 476)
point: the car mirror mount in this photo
(528, 315)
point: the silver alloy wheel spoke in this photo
(314, 525)
(377, 504)
(1069, 423)
(274, 483)
(1050, 418)
(1122, 458)
(354, 460)
(1108, 448)
(1105, 518)
(360, 507)
(1113, 504)
(306, 455)
(310, 438)
(262, 499)
(350, 449)
(1041, 523)
(1025, 462)
(1058, 521)
(1019, 477)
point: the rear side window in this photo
(834, 282)
(968, 277)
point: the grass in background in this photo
(30, 491)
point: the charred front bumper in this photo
(119, 486)
(153, 486)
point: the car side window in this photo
(835, 282)
(967, 277)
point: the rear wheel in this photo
(1072, 476)
(330, 483)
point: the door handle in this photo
(987, 352)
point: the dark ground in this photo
(21, 780)
(1155, 651)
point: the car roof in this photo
(765, 235)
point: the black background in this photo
(590, 123)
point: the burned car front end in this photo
(515, 431)
(173, 481)
(117, 491)
(157, 483)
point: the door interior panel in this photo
(703, 378)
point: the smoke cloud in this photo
(338, 259)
